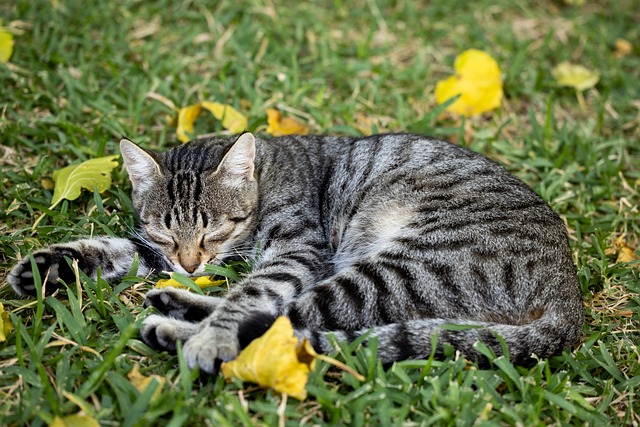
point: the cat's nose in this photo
(190, 268)
(190, 262)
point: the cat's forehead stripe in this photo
(186, 165)
(184, 189)
(195, 156)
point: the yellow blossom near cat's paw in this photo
(279, 126)
(5, 324)
(202, 282)
(477, 81)
(277, 360)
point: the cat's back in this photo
(387, 157)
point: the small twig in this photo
(340, 365)
(281, 409)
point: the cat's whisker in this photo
(143, 240)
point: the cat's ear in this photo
(237, 166)
(141, 164)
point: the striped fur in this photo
(396, 235)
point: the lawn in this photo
(84, 73)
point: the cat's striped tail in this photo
(548, 335)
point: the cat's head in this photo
(195, 203)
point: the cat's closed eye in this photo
(210, 240)
(163, 240)
(240, 217)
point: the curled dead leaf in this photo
(141, 382)
(278, 125)
(622, 48)
(622, 250)
(626, 254)
(5, 324)
(628, 313)
(232, 120)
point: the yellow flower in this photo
(477, 81)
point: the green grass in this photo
(80, 77)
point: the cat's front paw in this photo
(181, 303)
(51, 265)
(210, 346)
(163, 333)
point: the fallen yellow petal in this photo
(477, 81)
(272, 361)
(626, 254)
(622, 48)
(5, 324)
(141, 382)
(186, 119)
(277, 360)
(6, 44)
(232, 119)
(202, 281)
(278, 125)
(75, 421)
(476, 65)
(576, 76)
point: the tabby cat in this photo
(395, 236)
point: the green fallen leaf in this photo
(90, 174)
(576, 76)
(75, 421)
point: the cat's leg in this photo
(113, 255)
(285, 268)
(372, 292)
(181, 304)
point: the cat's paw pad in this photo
(51, 265)
(162, 333)
(180, 304)
(210, 346)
